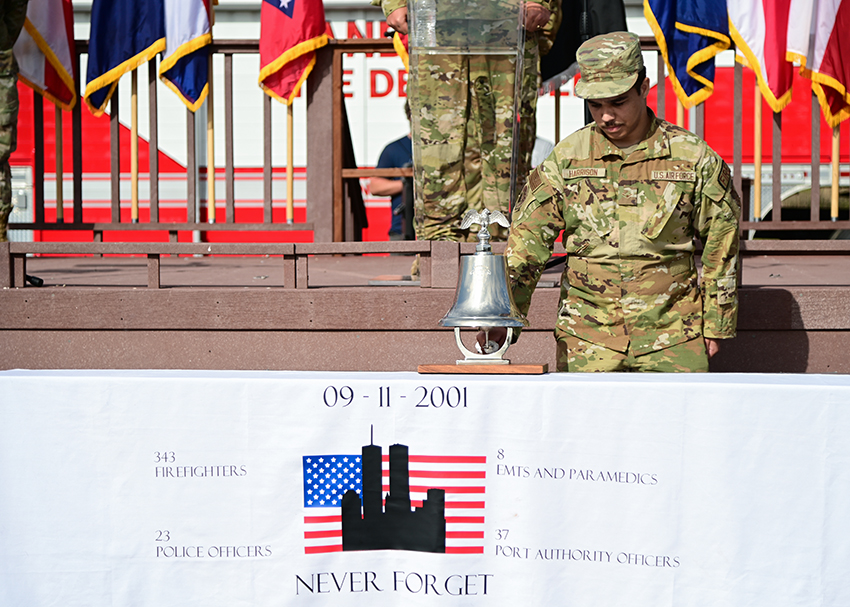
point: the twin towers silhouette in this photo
(372, 525)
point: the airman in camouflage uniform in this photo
(465, 106)
(12, 16)
(630, 209)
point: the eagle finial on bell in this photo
(484, 219)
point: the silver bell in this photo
(483, 298)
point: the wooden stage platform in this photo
(235, 313)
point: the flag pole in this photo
(557, 114)
(210, 147)
(134, 147)
(290, 167)
(757, 156)
(60, 204)
(680, 113)
(833, 193)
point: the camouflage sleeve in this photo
(536, 223)
(389, 6)
(719, 213)
(550, 31)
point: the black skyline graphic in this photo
(368, 525)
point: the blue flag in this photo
(689, 33)
(124, 34)
(185, 63)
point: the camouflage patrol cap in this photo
(609, 65)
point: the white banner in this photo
(263, 489)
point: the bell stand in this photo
(481, 364)
(487, 313)
(475, 363)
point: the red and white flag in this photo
(45, 51)
(823, 52)
(290, 33)
(759, 29)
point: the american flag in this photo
(328, 477)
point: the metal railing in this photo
(438, 260)
(329, 212)
(227, 48)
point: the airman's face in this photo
(623, 119)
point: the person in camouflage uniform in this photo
(12, 16)
(631, 192)
(465, 105)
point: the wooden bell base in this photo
(486, 369)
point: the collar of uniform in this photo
(654, 144)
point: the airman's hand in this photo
(398, 20)
(535, 16)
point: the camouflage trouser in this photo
(462, 107)
(8, 132)
(576, 355)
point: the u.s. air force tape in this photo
(534, 180)
(725, 176)
(585, 172)
(674, 176)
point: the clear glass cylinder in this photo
(466, 65)
(465, 27)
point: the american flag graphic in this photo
(328, 477)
